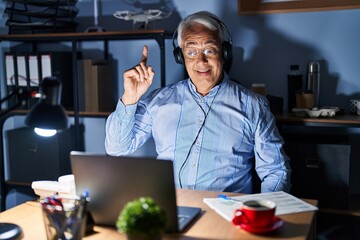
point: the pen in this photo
(228, 198)
(83, 204)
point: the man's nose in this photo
(202, 57)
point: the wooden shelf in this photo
(262, 7)
(69, 113)
(86, 36)
(346, 120)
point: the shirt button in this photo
(198, 143)
(190, 188)
(193, 165)
(200, 121)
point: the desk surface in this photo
(210, 225)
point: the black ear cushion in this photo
(227, 56)
(227, 51)
(179, 58)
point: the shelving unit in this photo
(158, 35)
(74, 38)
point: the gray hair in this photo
(205, 18)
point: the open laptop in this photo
(114, 181)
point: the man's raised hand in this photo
(137, 80)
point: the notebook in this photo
(114, 181)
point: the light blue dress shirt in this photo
(212, 140)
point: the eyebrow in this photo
(209, 42)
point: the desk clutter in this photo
(316, 112)
(305, 89)
(41, 16)
(275, 203)
(65, 218)
(65, 186)
(355, 106)
(65, 213)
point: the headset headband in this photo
(221, 23)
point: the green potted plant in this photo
(142, 218)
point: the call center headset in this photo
(226, 47)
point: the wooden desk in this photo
(210, 225)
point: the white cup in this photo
(358, 107)
(353, 105)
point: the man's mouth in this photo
(203, 71)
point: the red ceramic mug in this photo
(256, 213)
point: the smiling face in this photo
(205, 70)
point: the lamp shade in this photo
(48, 113)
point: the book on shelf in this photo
(25, 71)
(20, 76)
(96, 80)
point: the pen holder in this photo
(64, 221)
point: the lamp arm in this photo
(10, 95)
(22, 95)
(6, 111)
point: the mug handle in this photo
(237, 213)
(239, 217)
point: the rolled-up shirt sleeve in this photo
(271, 162)
(120, 138)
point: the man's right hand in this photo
(137, 80)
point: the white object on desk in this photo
(65, 186)
(315, 112)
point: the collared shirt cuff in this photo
(125, 112)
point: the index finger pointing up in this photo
(144, 55)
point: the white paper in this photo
(285, 203)
(9, 68)
(33, 70)
(46, 65)
(21, 68)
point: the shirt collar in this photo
(212, 92)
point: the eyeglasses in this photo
(192, 52)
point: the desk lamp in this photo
(47, 116)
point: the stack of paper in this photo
(65, 186)
(285, 203)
